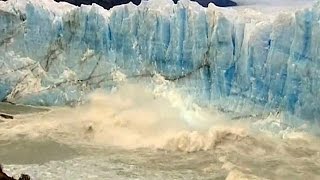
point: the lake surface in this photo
(127, 137)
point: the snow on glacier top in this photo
(50, 5)
(263, 10)
(273, 7)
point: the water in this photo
(137, 134)
(49, 160)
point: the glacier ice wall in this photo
(54, 56)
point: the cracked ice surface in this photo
(55, 53)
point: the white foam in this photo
(131, 117)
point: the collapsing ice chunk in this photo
(55, 56)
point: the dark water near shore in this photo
(12, 109)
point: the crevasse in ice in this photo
(55, 53)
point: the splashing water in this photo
(139, 133)
(131, 117)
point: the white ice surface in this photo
(245, 59)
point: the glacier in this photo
(56, 56)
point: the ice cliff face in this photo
(55, 57)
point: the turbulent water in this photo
(135, 133)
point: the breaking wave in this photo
(135, 117)
(132, 117)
